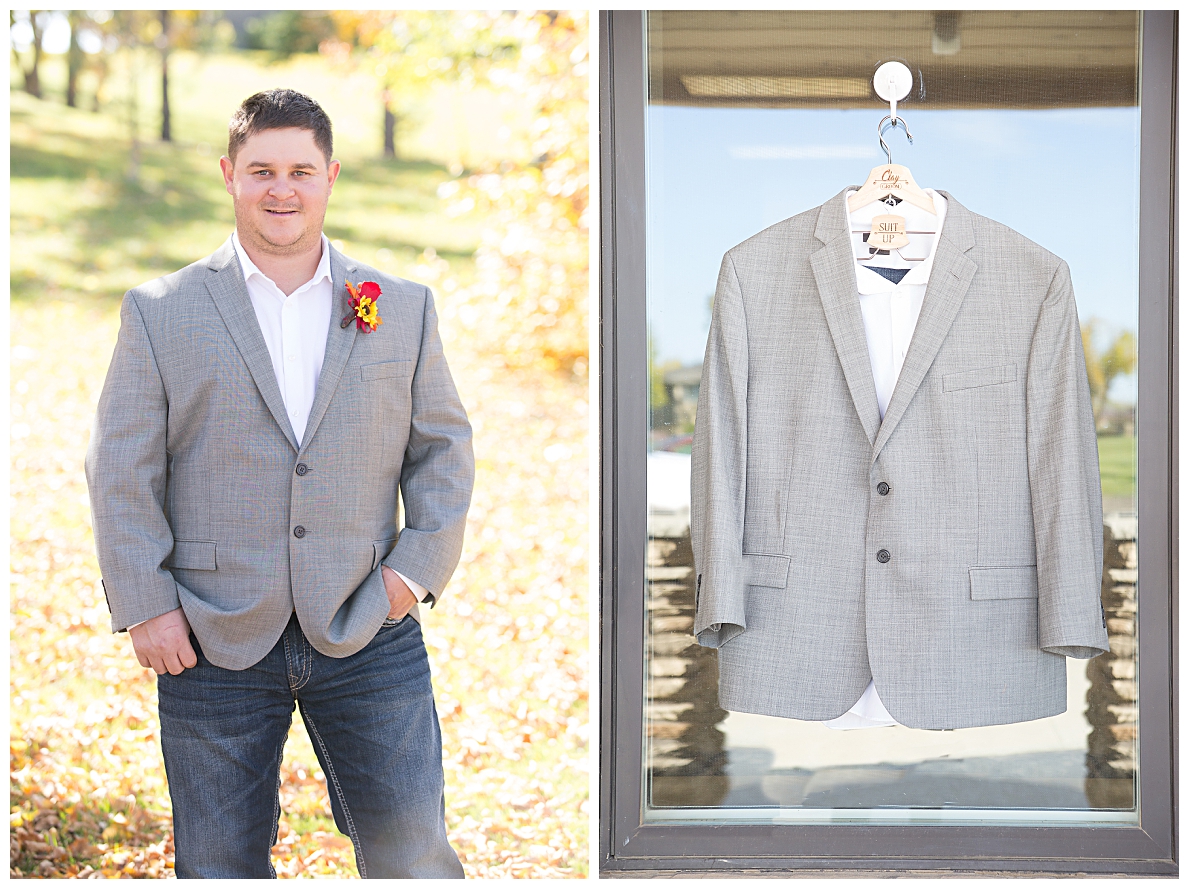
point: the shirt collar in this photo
(250, 268)
(869, 282)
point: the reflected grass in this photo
(1116, 464)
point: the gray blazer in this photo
(961, 589)
(201, 496)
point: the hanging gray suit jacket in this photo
(954, 551)
(202, 497)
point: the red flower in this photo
(363, 306)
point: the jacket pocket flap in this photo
(1003, 583)
(984, 376)
(386, 369)
(197, 555)
(766, 570)
(380, 551)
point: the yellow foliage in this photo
(529, 304)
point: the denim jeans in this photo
(373, 725)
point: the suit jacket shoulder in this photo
(995, 240)
(183, 282)
(776, 237)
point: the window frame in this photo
(627, 844)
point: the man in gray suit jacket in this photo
(952, 552)
(263, 412)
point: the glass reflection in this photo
(1068, 179)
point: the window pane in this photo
(1029, 118)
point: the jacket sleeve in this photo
(719, 470)
(438, 471)
(126, 476)
(1063, 476)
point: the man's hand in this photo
(400, 598)
(163, 643)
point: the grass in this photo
(79, 223)
(1116, 465)
(507, 644)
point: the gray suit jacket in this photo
(201, 496)
(964, 587)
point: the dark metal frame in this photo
(629, 846)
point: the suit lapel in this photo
(339, 341)
(834, 268)
(230, 293)
(949, 280)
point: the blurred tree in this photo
(530, 300)
(101, 24)
(282, 33)
(288, 32)
(75, 57)
(31, 72)
(163, 44)
(127, 31)
(528, 306)
(122, 33)
(1102, 367)
(410, 51)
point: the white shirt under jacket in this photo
(890, 313)
(295, 329)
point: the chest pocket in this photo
(983, 376)
(387, 370)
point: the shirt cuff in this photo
(418, 590)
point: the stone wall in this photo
(1111, 701)
(682, 712)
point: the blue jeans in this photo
(373, 725)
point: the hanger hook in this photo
(895, 122)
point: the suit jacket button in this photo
(302, 469)
(882, 487)
(883, 556)
(300, 531)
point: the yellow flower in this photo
(369, 312)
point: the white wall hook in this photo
(893, 81)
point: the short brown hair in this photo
(275, 110)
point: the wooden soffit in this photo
(825, 59)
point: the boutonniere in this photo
(363, 306)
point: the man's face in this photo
(281, 184)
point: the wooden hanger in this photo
(890, 178)
(894, 179)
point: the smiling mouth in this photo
(280, 211)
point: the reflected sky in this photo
(1068, 179)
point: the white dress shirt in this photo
(294, 329)
(890, 313)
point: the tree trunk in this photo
(389, 127)
(101, 70)
(32, 79)
(133, 174)
(33, 86)
(166, 135)
(74, 59)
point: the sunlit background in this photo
(463, 138)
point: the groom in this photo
(263, 412)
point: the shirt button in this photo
(883, 556)
(291, 357)
(882, 487)
(302, 469)
(300, 531)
